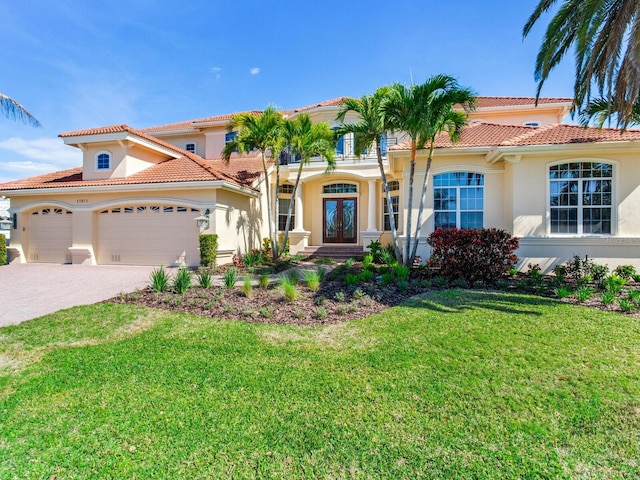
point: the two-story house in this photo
(143, 196)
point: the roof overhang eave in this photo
(164, 186)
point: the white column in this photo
(298, 209)
(371, 224)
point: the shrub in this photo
(350, 279)
(252, 258)
(358, 294)
(321, 313)
(340, 296)
(387, 278)
(263, 282)
(365, 276)
(204, 278)
(3, 249)
(634, 296)
(375, 249)
(367, 261)
(230, 277)
(182, 280)
(402, 272)
(583, 294)
(208, 249)
(160, 279)
(473, 254)
(607, 298)
(459, 283)
(388, 258)
(625, 271)
(614, 283)
(562, 292)
(625, 305)
(349, 262)
(312, 279)
(247, 288)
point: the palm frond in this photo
(15, 111)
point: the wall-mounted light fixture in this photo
(203, 220)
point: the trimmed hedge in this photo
(473, 254)
(3, 249)
(208, 249)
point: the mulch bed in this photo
(334, 302)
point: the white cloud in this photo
(21, 158)
(217, 72)
(254, 71)
(45, 150)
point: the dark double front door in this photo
(340, 220)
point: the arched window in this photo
(103, 161)
(340, 188)
(580, 198)
(458, 200)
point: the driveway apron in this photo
(35, 289)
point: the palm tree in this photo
(371, 127)
(599, 111)
(306, 139)
(606, 37)
(260, 132)
(13, 110)
(422, 112)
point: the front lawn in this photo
(451, 384)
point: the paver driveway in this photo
(35, 289)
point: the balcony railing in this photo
(347, 152)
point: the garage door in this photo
(148, 235)
(49, 236)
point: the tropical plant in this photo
(305, 139)
(13, 110)
(604, 34)
(371, 128)
(230, 277)
(204, 278)
(583, 294)
(182, 280)
(422, 112)
(160, 279)
(262, 132)
(289, 288)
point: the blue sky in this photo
(81, 64)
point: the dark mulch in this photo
(334, 302)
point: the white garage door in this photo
(148, 235)
(49, 236)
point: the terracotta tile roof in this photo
(334, 102)
(181, 169)
(179, 126)
(225, 117)
(493, 135)
(133, 131)
(488, 102)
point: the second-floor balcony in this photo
(345, 151)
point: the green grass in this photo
(454, 384)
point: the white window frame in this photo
(615, 188)
(103, 169)
(395, 193)
(458, 211)
(289, 197)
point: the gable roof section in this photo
(492, 102)
(494, 135)
(174, 170)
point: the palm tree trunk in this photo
(293, 196)
(268, 193)
(423, 196)
(407, 249)
(392, 220)
(274, 241)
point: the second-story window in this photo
(229, 137)
(103, 161)
(190, 147)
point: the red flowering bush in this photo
(473, 254)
